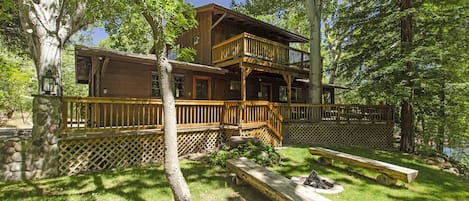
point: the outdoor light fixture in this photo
(48, 83)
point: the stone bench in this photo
(271, 184)
(389, 173)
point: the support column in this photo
(288, 80)
(245, 71)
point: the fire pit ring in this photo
(336, 188)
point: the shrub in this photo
(262, 154)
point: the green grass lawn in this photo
(214, 183)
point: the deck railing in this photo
(253, 113)
(336, 113)
(86, 114)
(93, 114)
(259, 49)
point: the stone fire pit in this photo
(319, 184)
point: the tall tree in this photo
(407, 103)
(313, 10)
(165, 20)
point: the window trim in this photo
(194, 86)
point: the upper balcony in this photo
(248, 48)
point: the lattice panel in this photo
(99, 153)
(199, 141)
(363, 135)
(263, 134)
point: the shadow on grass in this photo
(139, 184)
(430, 184)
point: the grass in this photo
(213, 182)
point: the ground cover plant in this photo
(213, 182)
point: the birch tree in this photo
(161, 21)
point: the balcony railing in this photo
(336, 113)
(259, 49)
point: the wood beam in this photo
(94, 69)
(218, 21)
(288, 80)
(104, 66)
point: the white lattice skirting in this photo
(117, 151)
(377, 136)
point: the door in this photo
(266, 92)
(201, 88)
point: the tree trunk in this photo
(407, 110)
(45, 38)
(176, 180)
(171, 161)
(442, 115)
(49, 59)
(407, 127)
(315, 75)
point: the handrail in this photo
(259, 49)
(339, 113)
(84, 114)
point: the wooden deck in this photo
(92, 114)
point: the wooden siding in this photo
(204, 46)
(133, 80)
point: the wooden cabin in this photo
(238, 58)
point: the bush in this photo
(261, 154)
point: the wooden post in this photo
(245, 71)
(288, 80)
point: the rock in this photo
(235, 141)
(17, 176)
(28, 175)
(39, 163)
(18, 147)
(28, 166)
(447, 165)
(440, 160)
(10, 150)
(42, 100)
(5, 167)
(51, 138)
(17, 157)
(15, 167)
(43, 108)
(54, 149)
(452, 170)
(8, 175)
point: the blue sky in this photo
(100, 34)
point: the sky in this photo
(100, 34)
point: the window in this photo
(235, 85)
(155, 84)
(178, 86)
(296, 94)
(283, 95)
(201, 88)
